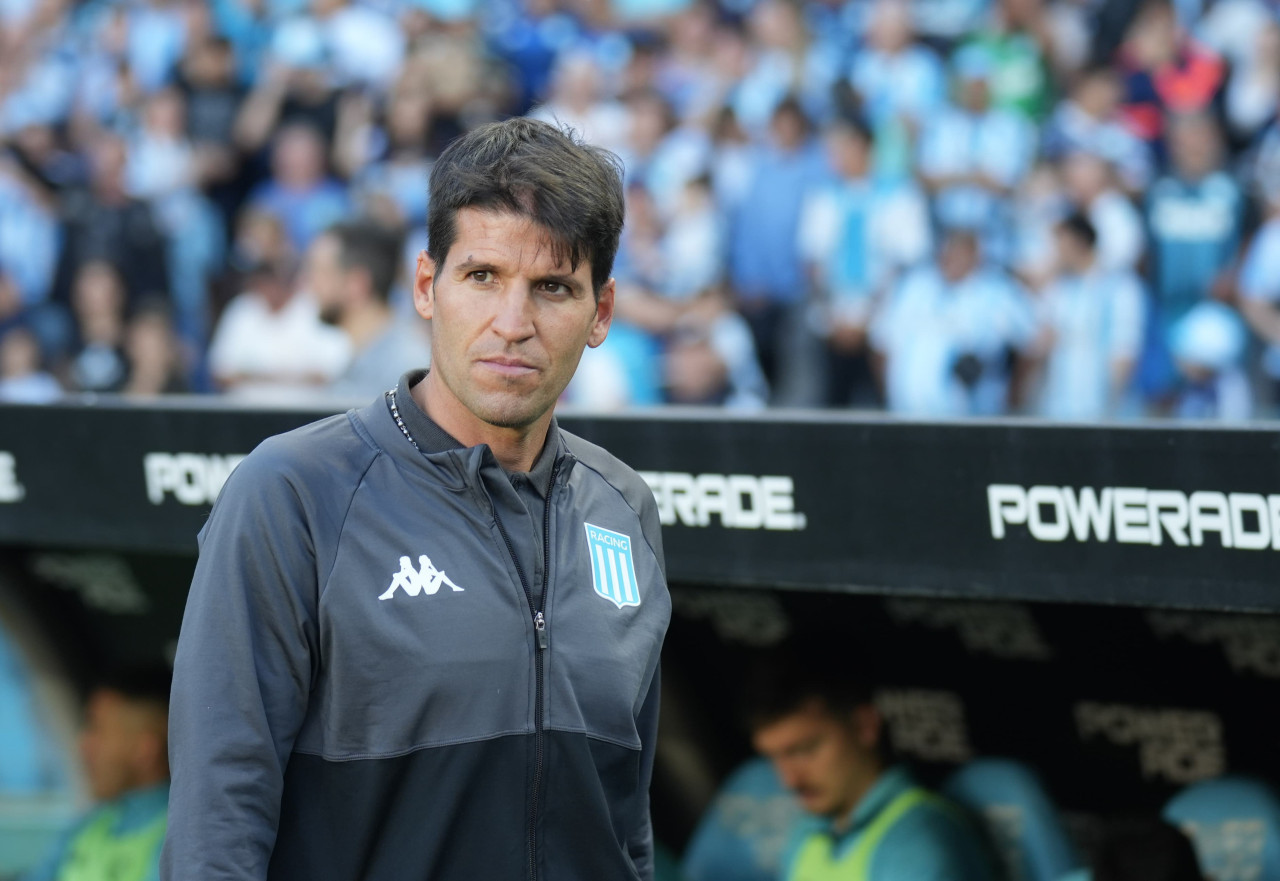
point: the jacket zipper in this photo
(538, 613)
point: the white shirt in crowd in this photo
(276, 354)
(928, 325)
(1096, 320)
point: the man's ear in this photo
(424, 277)
(604, 314)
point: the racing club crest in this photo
(613, 570)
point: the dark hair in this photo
(791, 106)
(1150, 850)
(782, 681)
(523, 166)
(853, 124)
(368, 246)
(1079, 227)
(144, 683)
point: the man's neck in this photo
(516, 449)
(843, 821)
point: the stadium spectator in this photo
(973, 155)
(1088, 121)
(208, 82)
(658, 154)
(580, 100)
(898, 79)
(351, 269)
(125, 752)
(1259, 294)
(1194, 214)
(29, 243)
(164, 168)
(154, 354)
(103, 222)
(783, 63)
(1165, 72)
(1254, 88)
(1018, 42)
(857, 233)
(270, 343)
(765, 265)
(99, 306)
(948, 333)
(1089, 184)
(364, 46)
(300, 192)
(391, 159)
(825, 739)
(1093, 325)
(23, 379)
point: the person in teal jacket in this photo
(867, 820)
(125, 752)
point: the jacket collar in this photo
(438, 447)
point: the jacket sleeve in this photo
(243, 670)
(640, 845)
(641, 842)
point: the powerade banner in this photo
(1154, 515)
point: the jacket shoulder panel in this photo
(624, 479)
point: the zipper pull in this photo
(540, 625)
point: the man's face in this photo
(828, 761)
(116, 744)
(508, 324)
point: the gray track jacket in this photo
(368, 686)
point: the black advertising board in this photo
(1159, 515)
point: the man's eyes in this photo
(553, 288)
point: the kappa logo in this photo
(425, 579)
(613, 571)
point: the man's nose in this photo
(514, 318)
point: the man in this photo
(1195, 216)
(973, 155)
(422, 637)
(124, 747)
(870, 821)
(351, 269)
(1095, 319)
(765, 267)
(946, 334)
(857, 233)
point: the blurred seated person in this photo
(351, 269)
(270, 343)
(870, 821)
(23, 379)
(125, 752)
(154, 353)
(99, 305)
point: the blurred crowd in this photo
(1067, 208)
